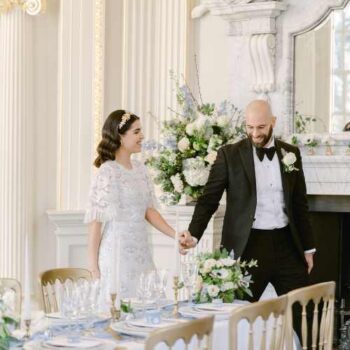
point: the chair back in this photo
(322, 295)
(273, 317)
(12, 288)
(48, 280)
(202, 328)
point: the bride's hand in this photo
(187, 240)
(95, 273)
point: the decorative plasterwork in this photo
(31, 7)
(262, 52)
(244, 17)
(257, 19)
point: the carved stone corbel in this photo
(262, 52)
(256, 19)
(31, 7)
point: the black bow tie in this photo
(270, 152)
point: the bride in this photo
(121, 199)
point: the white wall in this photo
(212, 47)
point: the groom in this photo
(266, 214)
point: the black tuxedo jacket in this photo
(234, 172)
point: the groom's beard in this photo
(265, 138)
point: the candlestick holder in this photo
(115, 313)
(176, 288)
(27, 324)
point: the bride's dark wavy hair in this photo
(111, 136)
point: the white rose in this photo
(190, 129)
(219, 263)
(227, 261)
(213, 290)
(201, 122)
(197, 177)
(211, 157)
(289, 158)
(177, 183)
(222, 120)
(227, 286)
(209, 264)
(183, 144)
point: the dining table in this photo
(130, 333)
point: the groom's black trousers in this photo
(278, 263)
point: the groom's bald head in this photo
(259, 122)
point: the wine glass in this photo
(155, 286)
(144, 290)
(70, 310)
(163, 279)
(189, 271)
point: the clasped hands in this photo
(186, 241)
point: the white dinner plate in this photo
(217, 308)
(151, 304)
(142, 323)
(124, 328)
(64, 343)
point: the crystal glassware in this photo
(189, 271)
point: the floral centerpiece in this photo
(5, 322)
(191, 140)
(222, 277)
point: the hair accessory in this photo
(125, 117)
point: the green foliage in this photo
(191, 140)
(221, 276)
(303, 122)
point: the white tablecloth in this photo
(220, 339)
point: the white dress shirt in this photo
(270, 209)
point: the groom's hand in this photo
(309, 257)
(187, 241)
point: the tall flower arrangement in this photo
(191, 139)
(6, 322)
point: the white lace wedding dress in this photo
(119, 198)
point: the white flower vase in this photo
(311, 151)
(329, 151)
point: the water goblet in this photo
(143, 290)
(163, 279)
(189, 272)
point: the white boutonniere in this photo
(288, 161)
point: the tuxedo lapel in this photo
(285, 178)
(246, 153)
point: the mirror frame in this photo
(321, 15)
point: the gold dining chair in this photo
(13, 286)
(48, 280)
(273, 316)
(202, 328)
(322, 296)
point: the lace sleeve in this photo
(151, 197)
(101, 204)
